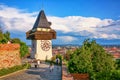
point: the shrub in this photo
(91, 58)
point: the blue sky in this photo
(74, 20)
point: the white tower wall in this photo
(38, 53)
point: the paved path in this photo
(41, 73)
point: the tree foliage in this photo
(118, 63)
(1, 37)
(67, 55)
(15, 40)
(5, 37)
(23, 47)
(53, 59)
(91, 58)
(60, 57)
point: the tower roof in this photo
(41, 34)
(41, 21)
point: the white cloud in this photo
(74, 23)
(88, 26)
(106, 36)
(105, 22)
(16, 19)
(67, 39)
(20, 20)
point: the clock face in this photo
(45, 45)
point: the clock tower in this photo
(41, 35)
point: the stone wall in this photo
(9, 55)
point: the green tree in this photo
(1, 37)
(4, 37)
(67, 55)
(15, 40)
(118, 63)
(60, 57)
(91, 58)
(103, 63)
(23, 49)
(7, 35)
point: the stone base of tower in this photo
(39, 53)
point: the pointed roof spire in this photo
(41, 21)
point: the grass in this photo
(6, 71)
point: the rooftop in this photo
(41, 21)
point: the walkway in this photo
(41, 73)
